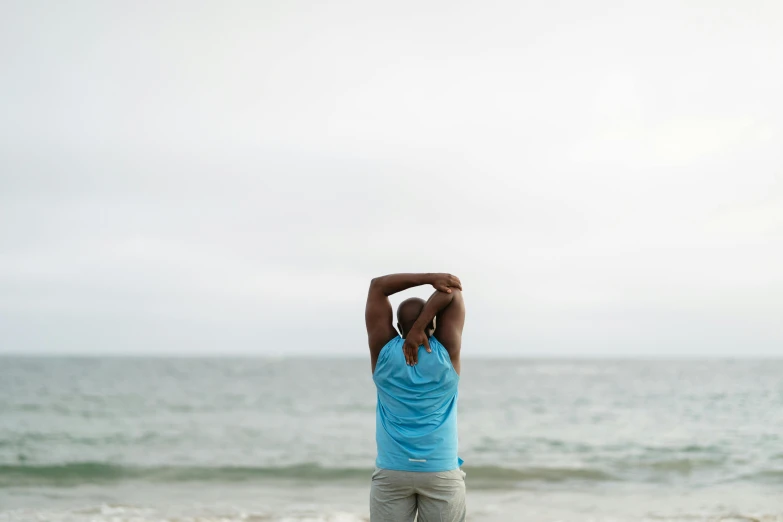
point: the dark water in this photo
(557, 427)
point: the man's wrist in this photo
(419, 326)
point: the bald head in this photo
(408, 312)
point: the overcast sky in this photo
(204, 178)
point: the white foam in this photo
(334, 517)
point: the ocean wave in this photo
(495, 474)
(768, 476)
(683, 465)
(95, 472)
(91, 472)
(482, 477)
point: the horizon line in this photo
(536, 356)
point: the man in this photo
(417, 468)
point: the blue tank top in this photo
(416, 415)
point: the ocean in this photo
(110, 439)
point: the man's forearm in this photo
(437, 302)
(393, 283)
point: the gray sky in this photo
(605, 177)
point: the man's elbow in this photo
(375, 283)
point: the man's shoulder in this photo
(394, 341)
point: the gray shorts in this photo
(438, 496)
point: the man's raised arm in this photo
(378, 311)
(418, 333)
(450, 312)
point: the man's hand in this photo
(415, 338)
(445, 282)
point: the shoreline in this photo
(208, 502)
